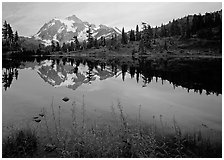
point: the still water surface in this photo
(171, 89)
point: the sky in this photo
(28, 17)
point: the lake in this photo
(185, 90)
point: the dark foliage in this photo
(21, 144)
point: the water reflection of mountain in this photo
(67, 72)
(192, 74)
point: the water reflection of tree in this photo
(190, 74)
(194, 75)
(124, 68)
(89, 73)
(132, 71)
(8, 75)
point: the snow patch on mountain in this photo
(61, 29)
(51, 24)
(46, 42)
(82, 69)
(68, 81)
(55, 37)
(61, 75)
(94, 34)
(46, 63)
(117, 30)
(82, 35)
(68, 24)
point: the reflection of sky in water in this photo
(30, 93)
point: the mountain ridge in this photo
(63, 30)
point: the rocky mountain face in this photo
(63, 30)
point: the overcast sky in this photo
(28, 18)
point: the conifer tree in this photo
(58, 48)
(52, 46)
(123, 37)
(101, 41)
(147, 35)
(138, 34)
(77, 45)
(16, 37)
(72, 46)
(84, 45)
(155, 35)
(90, 38)
(5, 31)
(10, 33)
(187, 34)
(64, 47)
(104, 41)
(96, 43)
(132, 35)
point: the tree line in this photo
(9, 39)
(208, 26)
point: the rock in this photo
(41, 114)
(37, 120)
(65, 99)
(36, 117)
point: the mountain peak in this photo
(103, 26)
(63, 30)
(74, 18)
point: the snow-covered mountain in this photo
(63, 30)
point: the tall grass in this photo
(119, 137)
(21, 144)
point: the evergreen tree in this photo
(90, 38)
(101, 41)
(77, 45)
(155, 35)
(172, 28)
(218, 20)
(138, 34)
(58, 48)
(163, 31)
(187, 34)
(52, 46)
(64, 47)
(16, 37)
(147, 35)
(194, 27)
(123, 37)
(141, 47)
(208, 20)
(72, 46)
(10, 33)
(165, 45)
(132, 35)
(177, 28)
(84, 45)
(104, 41)
(96, 43)
(5, 31)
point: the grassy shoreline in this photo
(116, 138)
